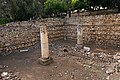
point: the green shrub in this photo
(4, 20)
(55, 7)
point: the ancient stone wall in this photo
(100, 29)
(14, 37)
(103, 30)
(27, 33)
(71, 32)
(102, 35)
(112, 19)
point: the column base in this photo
(79, 46)
(45, 61)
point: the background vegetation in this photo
(20, 10)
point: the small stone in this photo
(26, 50)
(61, 74)
(1, 66)
(110, 71)
(108, 77)
(118, 67)
(7, 78)
(90, 66)
(55, 66)
(116, 57)
(87, 77)
(72, 76)
(4, 74)
(103, 68)
(88, 53)
(7, 44)
(118, 61)
(118, 54)
(86, 48)
(75, 50)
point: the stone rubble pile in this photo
(8, 75)
(109, 63)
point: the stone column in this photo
(45, 59)
(79, 36)
(65, 30)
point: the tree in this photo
(4, 9)
(108, 3)
(95, 4)
(118, 5)
(25, 9)
(84, 4)
(78, 4)
(55, 7)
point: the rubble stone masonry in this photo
(102, 30)
(27, 33)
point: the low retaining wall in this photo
(14, 37)
(23, 34)
(112, 19)
(101, 35)
(102, 30)
(71, 32)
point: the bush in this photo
(4, 20)
(55, 7)
(79, 4)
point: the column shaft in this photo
(44, 43)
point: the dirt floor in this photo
(69, 63)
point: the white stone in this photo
(25, 50)
(4, 74)
(116, 57)
(88, 53)
(110, 70)
(118, 54)
(108, 77)
(86, 48)
(118, 61)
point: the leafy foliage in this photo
(55, 7)
(19, 10)
(95, 4)
(4, 20)
(78, 4)
(25, 9)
